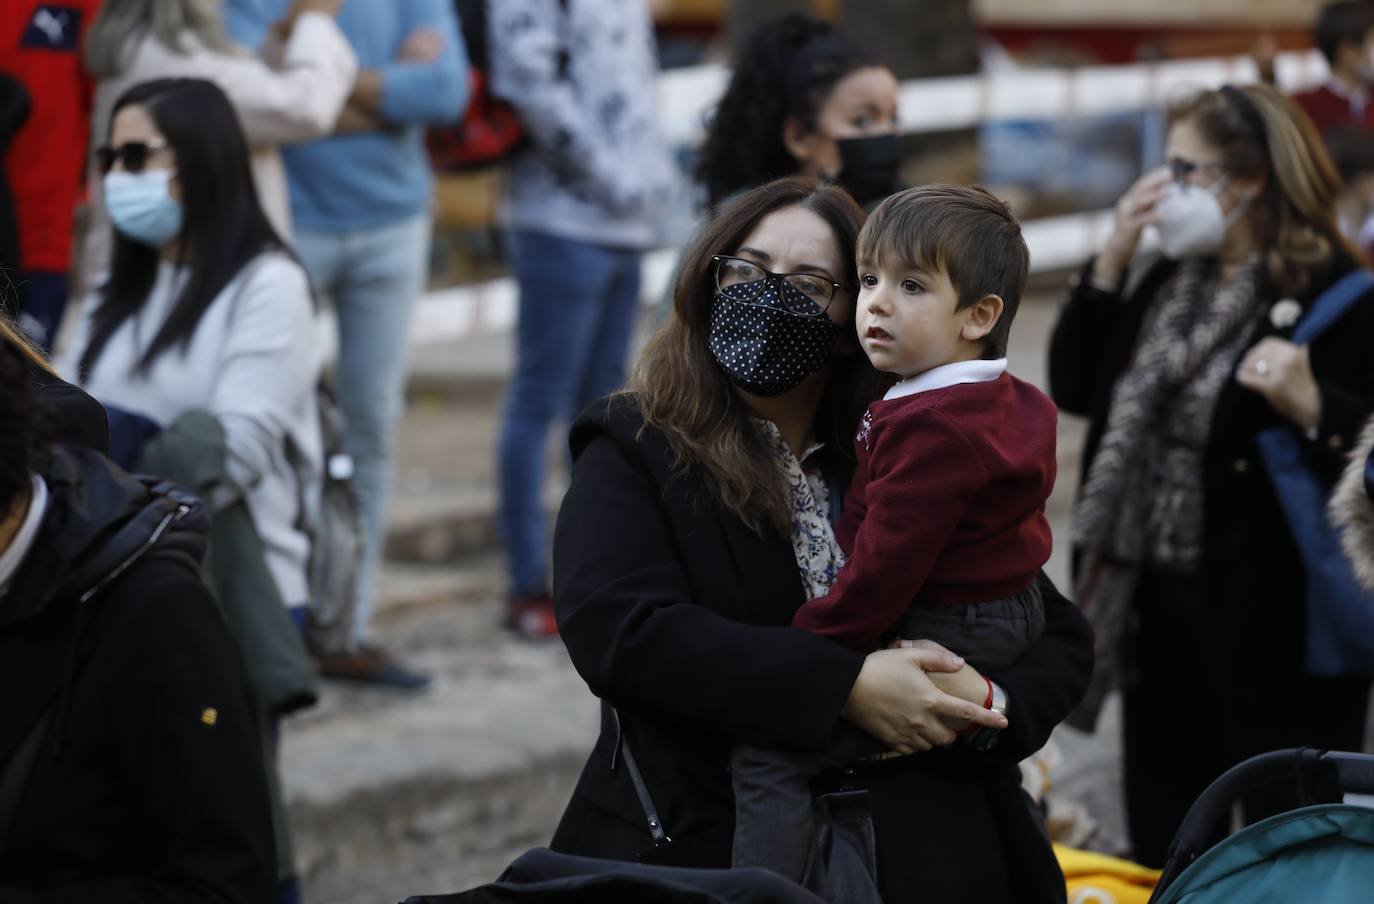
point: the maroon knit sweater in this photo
(947, 506)
(1327, 109)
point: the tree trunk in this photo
(743, 16)
(917, 38)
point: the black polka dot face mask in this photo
(764, 348)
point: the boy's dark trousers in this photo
(775, 825)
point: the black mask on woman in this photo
(765, 349)
(868, 166)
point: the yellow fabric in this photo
(1099, 879)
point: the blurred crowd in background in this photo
(192, 187)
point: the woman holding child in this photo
(699, 521)
(1185, 562)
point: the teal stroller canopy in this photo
(1320, 854)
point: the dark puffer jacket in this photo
(144, 782)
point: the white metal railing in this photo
(939, 104)
(924, 105)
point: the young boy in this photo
(1344, 32)
(944, 525)
(1352, 151)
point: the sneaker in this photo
(532, 617)
(372, 665)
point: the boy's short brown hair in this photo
(964, 232)
(1343, 22)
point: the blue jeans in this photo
(577, 313)
(374, 277)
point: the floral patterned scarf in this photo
(819, 558)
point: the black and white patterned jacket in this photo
(581, 75)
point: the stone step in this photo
(393, 795)
(447, 524)
(406, 586)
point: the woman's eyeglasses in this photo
(813, 296)
(132, 154)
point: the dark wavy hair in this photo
(786, 69)
(224, 226)
(683, 392)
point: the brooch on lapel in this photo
(1284, 314)
(865, 428)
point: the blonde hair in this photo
(170, 21)
(1259, 132)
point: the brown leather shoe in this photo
(371, 665)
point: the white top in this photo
(13, 555)
(288, 93)
(252, 363)
(949, 375)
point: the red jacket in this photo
(947, 506)
(1328, 109)
(42, 48)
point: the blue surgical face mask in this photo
(141, 206)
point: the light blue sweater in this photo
(372, 179)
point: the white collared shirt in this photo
(948, 375)
(1356, 99)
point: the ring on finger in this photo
(1262, 367)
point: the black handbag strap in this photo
(646, 802)
(15, 775)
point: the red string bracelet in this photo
(974, 728)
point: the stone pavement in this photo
(393, 795)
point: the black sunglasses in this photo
(133, 155)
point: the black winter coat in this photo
(148, 785)
(677, 614)
(1250, 564)
(541, 876)
(74, 417)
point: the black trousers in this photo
(1211, 689)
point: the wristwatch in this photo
(986, 738)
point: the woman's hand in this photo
(281, 29)
(894, 700)
(1282, 373)
(328, 7)
(1135, 209)
(967, 683)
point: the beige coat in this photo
(287, 93)
(1353, 512)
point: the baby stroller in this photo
(1320, 854)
